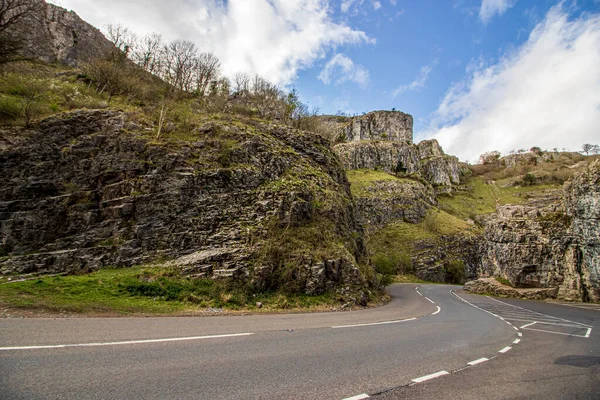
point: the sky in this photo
(477, 75)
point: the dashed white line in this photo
(373, 323)
(478, 361)
(587, 334)
(520, 334)
(526, 325)
(516, 341)
(515, 328)
(504, 350)
(431, 376)
(358, 397)
(438, 310)
(431, 301)
(178, 339)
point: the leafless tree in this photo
(241, 83)
(179, 57)
(121, 37)
(207, 69)
(147, 52)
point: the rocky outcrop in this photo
(492, 286)
(248, 200)
(394, 126)
(426, 159)
(387, 201)
(56, 35)
(552, 242)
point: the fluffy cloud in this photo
(274, 38)
(418, 83)
(546, 93)
(342, 69)
(489, 8)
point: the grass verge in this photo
(149, 290)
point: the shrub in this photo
(455, 271)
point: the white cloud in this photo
(419, 82)
(489, 8)
(273, 38)
(342, 69)
(376, 5)
(546, 93)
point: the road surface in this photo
(427, 342)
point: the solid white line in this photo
(516, 329)
(557, 333)
(431, 301)
(504, 350)
(516, 341)
(479, 361)
(431, 376)
(59, 346)
(358, 397)
(473, 305)
(520, 334)
(373, 323)
(438, 310)
(419, 293)
(587, 334)
(526, 325)
(552, 323)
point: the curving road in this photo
(417, 346)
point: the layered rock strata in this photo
(90, 189)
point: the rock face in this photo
(394, 126)
(553, 242)
(58, 35)
(426, 159)
(90, 189)
(490, 285)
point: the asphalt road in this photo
(311, 356)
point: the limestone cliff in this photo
(57, 35)
(241, 199)
(551, 242)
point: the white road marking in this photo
(526, 325)
(478, 361)
(358, 397)
(520, 334)
(546, 322)
(587, 334)
(373, 323)
(515, 328)
(535, 312)
(504, 350)
(558, 333)
(438, 310)
(431, 301)
(516, 341)
(60, 346)
(431, 376)
(419, 292)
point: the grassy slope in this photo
(146, 290)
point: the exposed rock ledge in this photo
(492, 286)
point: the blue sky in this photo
(477, 75)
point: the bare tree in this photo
(147, 52)
(179, 57)
(490, 157)
(121, 37)
(207, 69)
(241, 83)
(12, 14)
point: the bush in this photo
(455, 271)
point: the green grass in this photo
(409, 278)
(146, 290)
(395, 243)
(482, 198)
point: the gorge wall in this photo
(553, 242)
(264, 203)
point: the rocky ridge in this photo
(90, 189)
(551, 242)
(56, 35)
